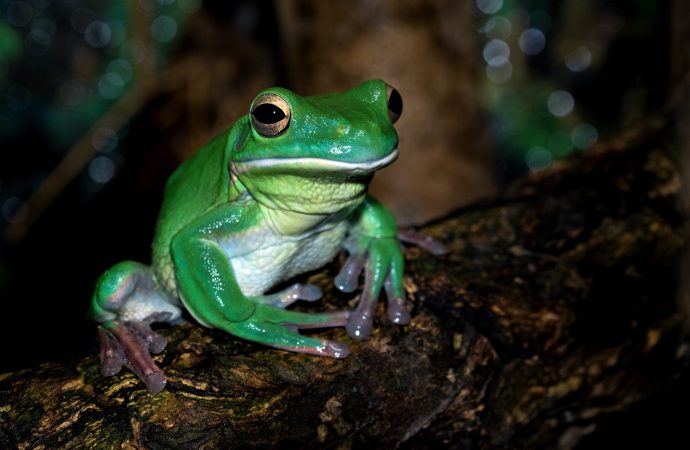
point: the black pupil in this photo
(395, 102)
(268, 113)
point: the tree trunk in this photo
(426, 50)
(555, 307)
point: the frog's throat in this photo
(291, 223)
(295, 196)
(307, 163)
(295, 202)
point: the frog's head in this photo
(315, 154)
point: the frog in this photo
(276, 195)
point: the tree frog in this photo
(276, 195)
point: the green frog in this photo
(276, 195)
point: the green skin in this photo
(249, 211)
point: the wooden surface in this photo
(555, 307)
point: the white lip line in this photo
(244, 166)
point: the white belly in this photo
(275, 258)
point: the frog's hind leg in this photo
(277, 327)
(126, 302)
(284, 335)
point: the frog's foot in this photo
(278, 328)
(347, 279)
(421, 240)
(396, 308)
(130, 344)
(361, 321)
(382, 262)
(126, 302)
(286, 297)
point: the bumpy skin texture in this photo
(250, 210)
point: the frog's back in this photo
(199, 184)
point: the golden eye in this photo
(270, 114)
(395, 104)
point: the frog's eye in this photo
(270, 114)
(394, 103)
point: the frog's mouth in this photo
(306, 165)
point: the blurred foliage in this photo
(73, 59)
(558, 74)
(10, 45)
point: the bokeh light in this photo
(164, 29)
(532, 41)
(498, 27)
(579, 59)
(561, 103)
(496, 52)
(111, 85)
(538, 158)
(122, 68)
(102, 169)
(14, 210)
(489, 6)
(104, 139)
(97, 34)
(584, 135)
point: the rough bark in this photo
(555, 306)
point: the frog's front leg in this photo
(209, 289)
(125, 303)
(373, 246)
